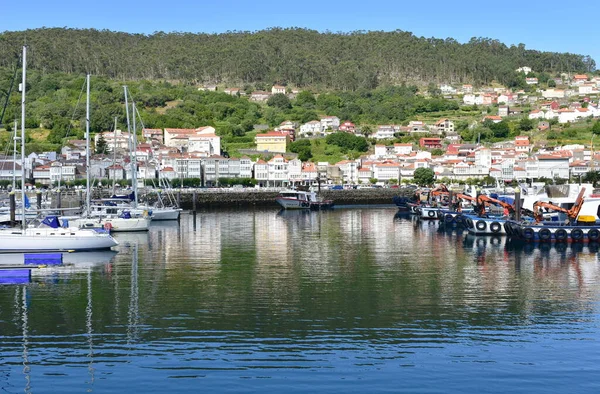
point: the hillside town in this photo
(174, 153)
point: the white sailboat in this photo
(100, 215)
(50, 237)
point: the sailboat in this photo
(159, 211)
(102, 215)
(50, 237)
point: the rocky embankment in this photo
(223, 198)
(252, 197)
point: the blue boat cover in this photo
(508, 200)
(51, 221)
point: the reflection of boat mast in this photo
(88, 325)
(23, 310)
(133, 314)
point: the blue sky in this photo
(544, 25)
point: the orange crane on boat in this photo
(483, 200)
(461, 196)
(572, 212)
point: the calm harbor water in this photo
(353, 300)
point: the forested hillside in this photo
(299, 57)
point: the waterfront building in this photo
(553, 166)
(349, 171)
(385, 171)
(116, 172)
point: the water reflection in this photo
(270, 299)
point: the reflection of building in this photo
(271, 239)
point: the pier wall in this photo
(232, 197)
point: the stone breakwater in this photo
(252, 197)
(223, 198)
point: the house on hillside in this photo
(330, 123)
(278, 89)
(273, 141)
(260, 96)
(430, 143)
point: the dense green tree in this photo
(525, 124)
(348, 141)
(424, 176)
(101, 146)
(592, 177)
(596, 127)
(306, 99)
(500, 129)
(342, 61)
(280, 101)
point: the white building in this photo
(330, 123)
(311, 128)
(447, 89)
(385, 171)
(115, 140)
(403, 149)
(386, 132)
(550, 166)
(202, 140)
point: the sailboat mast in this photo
(132, 163)
(88, 191)
(114, 156)
(23, 88)
(15, 138)
(134, 158)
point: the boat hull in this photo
(113, 224)
(165, 213)
(292, 203)
(428, 213)
(553, 232)
(50, 239)
(484, 226)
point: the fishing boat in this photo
(50, 236)
(581, 224)
(402, 203)
(299, 199)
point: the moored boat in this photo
(554, 232)
(52, 237)
(402, 203)
(428, 213)
(299, 199)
